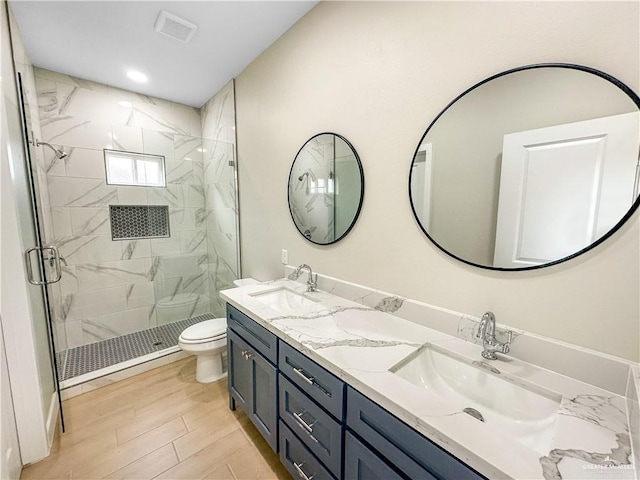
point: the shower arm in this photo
(59, 153)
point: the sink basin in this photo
(283, 300)
(524, 413)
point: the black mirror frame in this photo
(632, 95)
(361, 170)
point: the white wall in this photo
(10, 463)
(22, 311)
(387, 69)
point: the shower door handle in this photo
(53, 256)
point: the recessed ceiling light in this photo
(137, 76)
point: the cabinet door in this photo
(360, 463)
(264, 405)
(253, 386)
(239, 372)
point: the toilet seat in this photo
(207, 331)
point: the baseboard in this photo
(52, 420)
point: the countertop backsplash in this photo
(595, 368)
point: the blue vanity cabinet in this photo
(259, 337)
(323, 387)
(398, 444)
(318, 430)
(311, 404)
(361, 463)
(252, 377)
(298, 459)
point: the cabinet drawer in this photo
(325, 388)
(412, 453)
(316, 428)
(360, 463)
(298, 459)
(259, 337)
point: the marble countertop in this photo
(360, 345)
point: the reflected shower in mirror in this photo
(528, 168)
(326, 188)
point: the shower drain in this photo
(158, 343)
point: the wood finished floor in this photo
(159, 424)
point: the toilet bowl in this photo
(176, 307)
(207, 341)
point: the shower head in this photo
(59, 153)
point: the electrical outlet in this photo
(285, 257)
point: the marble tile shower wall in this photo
(219, 139)
(110, 288)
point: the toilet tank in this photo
(180, 307)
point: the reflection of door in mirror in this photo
(421, 184)
(346, 187)
(563, 187)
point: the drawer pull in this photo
(301, 373)
(303, 424)
(301, 472)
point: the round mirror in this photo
(529, 167)
(326, 188)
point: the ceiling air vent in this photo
(175, 27)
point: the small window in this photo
(138, 169)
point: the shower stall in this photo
(136, 200)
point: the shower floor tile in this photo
(88, 358)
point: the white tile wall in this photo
(80, 192)
(218, 198)
(94, 276)
(110, 287)
(90, 220)
(84, 163)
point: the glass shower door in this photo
(42, 261)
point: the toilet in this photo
(207, 341)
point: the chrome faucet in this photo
(312, 281)
(487, 332)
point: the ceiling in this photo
(100, 40)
